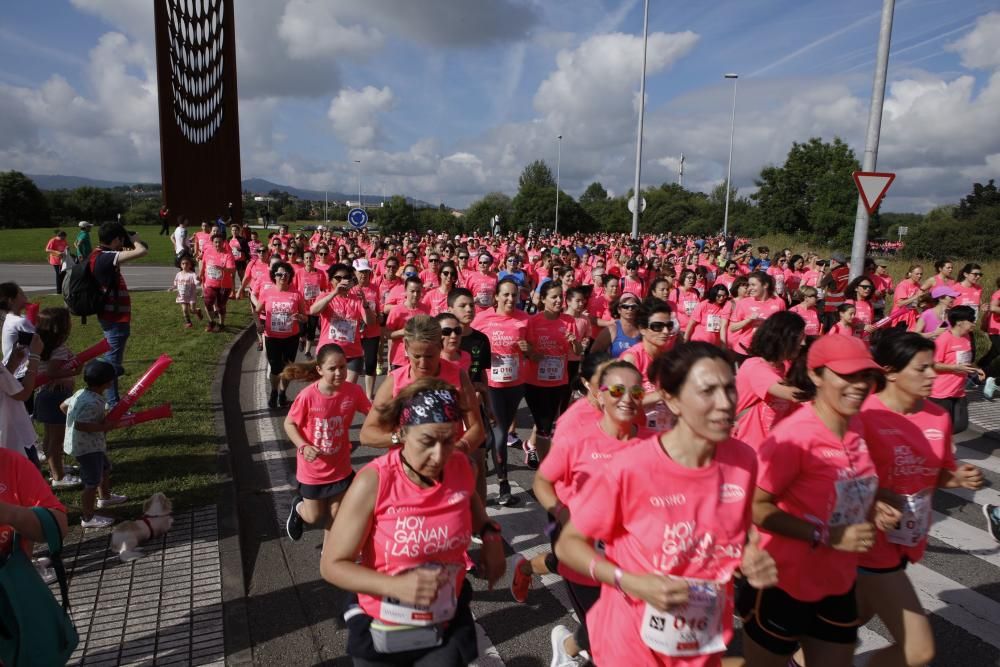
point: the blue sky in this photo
(447, 100)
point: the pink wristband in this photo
(593, 564)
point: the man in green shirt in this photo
(83, 245)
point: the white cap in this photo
(84, 223)
(362, 265)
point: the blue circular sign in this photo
(357, 217)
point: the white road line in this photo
(965, 538)
(869, 641)
(977, 458)
(984, 496)
(975, 613)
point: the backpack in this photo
(82, 292)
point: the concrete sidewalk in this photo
(984, 415)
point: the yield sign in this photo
(872, 185)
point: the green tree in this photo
(812, 192)
(594, 194)
(22, 204)
(96, 205)
(537, 174)
(397, 216)
(982, 197)
(480, 212)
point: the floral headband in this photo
(436, 406)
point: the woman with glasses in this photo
(343, 314)
(431, 276)
(390, 284)
(933, 319)
(860, 293)
(310, 282)
(705, 323)
(748, 314)
(321, 257)
(685, 297)
(483, 283)
(764, 396)
(659, 336)
(807, 309)
(652, 562)
(970, 288)
(731, 273)
(436, 300)
(451, 341)
(551, 336)
(623, 332)
(371, 334)
(283, 310)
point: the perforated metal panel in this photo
(197, 61)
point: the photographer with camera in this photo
(117, 246)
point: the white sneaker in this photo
(96, 521)
(42, 458)
(67, 482)
(990, 388)
(45, 570)
(111, 501)
(560, 658)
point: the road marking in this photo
(977, 458)
(984, 496)
(961, 606)
(965, 538)
(869, 641)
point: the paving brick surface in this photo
(984, 414)
(165, 608)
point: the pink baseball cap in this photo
(841, 354)
(943, 290)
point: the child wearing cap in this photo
(85, 440)
(933, 320)
(953, 361)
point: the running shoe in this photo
(520, 583)
(990, 388)
(992, 514)
(504, 497)
(111, 501)
(96, 521)
(560, 658)
(513, 440)
(272, 400)
(294, 523)
(531, 457)
(188, 325)
(67, 482)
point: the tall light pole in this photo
(558, 164)
(729, 171)
(860, 244)
(642, 111)
(359, 182)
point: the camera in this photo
(24, 338)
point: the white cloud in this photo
(311, 29)
(980, 48)
(354, 114)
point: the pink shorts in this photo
(216, 297)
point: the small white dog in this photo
(156, 521)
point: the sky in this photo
(446, 100)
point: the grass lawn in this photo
(28, 245)
(178, 455)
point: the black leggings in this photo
(280, 352)
(370, 347)
(309, 329)
(545, 404)
(60, 274)
(992, 355)
(958, 409)
(504, 401)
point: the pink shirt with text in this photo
(325, 422)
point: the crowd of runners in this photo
(717, 430)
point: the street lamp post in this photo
(642, 111)
(729, 171)
(558, 164)
(359, 183)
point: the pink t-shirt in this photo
(757, 410)
(448, 371)
(905, 290)
(548, 338)
(968, 296)
(950, 349)
(340, 322)
(435, 301)
(760, 311)
(507, 361)
(582, 331)
(398, 317)
(708, 322)
(429, 278)
(216, 263)
(373, 298)
(864, 314)
(23, 486)
(325, 422)
(993, 325)
(310, 284)
(811, 316)
(414, 526)
(280, 309)
(685, 302)
(482, 287)
(695, 527)
(816, 476)
(909, 452)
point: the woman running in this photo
(658, 337)
(343, 314)
(283, 311)
(860, 294)
(705, 323)
(410, 515)
(902, 428)
(807, 310)
(748, 314)
(670, 552)
(906, 296)
(319, 424)
(623, 332)
(310, 282)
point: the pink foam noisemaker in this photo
(79, 359)
(159, 412)
(140, 387)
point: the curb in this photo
(236, 621)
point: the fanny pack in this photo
(389, 638)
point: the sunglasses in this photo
(322, 254)
(450, 331)
(485, 262)
(463, 257)
(281, 274)
(658, 327)
(628, 306)
(434, 261)
(391, 267)
(618, 390)
(864, 286)
(976, 273)
(447, 273)
(341, 276)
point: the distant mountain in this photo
(257, 186)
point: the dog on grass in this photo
(156, 521)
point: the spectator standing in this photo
(180, 240)
(117, 246)
(56, 250)
(82, 244)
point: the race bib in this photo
(310, 291)
(963, 357)
(779, 284)
(689, 307)
(658, 417)
(484, 298)
(213, 272)
(343, 331)
(694, 629)
(439, 611)
(504, 368)
(550, 368)
(237, 253)
(281, 322)
(713, 323)
(854, 499)
(916, 519)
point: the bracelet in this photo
(34, 357)
(593, 564)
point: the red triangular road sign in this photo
(872, 185)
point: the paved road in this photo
(40, 278)
(294, 614)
